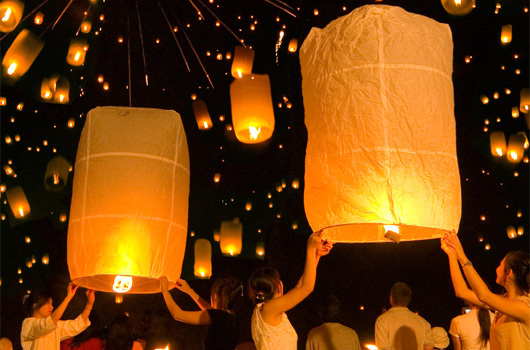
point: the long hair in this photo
(263, 283)
(121, 334)
(227, 290)
(519, 262)
(484, 321)
(35, 301)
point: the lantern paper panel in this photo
(231, 237)
(204, 122)
(77, 52)
(515, 150)
(10, 14)
(203, 258)
(373, 157)
(56, 175)
(243, 61)
(498, 143)
(18, 202)
(21, 54)
(252, 111)
(129, 212)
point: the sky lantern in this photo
(204, 122)
(252, 111)
(515, 149)
(10, 15)
(510, 231)
(86, 26)
(524, 103)
(458, 7)
(243, 61)
(56, 175)
(231, 237)
(498, 143)
(293, 45)
(39, 18)
(129, 212)
(77, 52)
(376, 169)
(18, 202)
(61, 89)
(203, 258)
(260, 250)
(21, 54)
(46, 92)
(506, 34)
(216, 235)
(520, 230)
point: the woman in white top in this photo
(471, 330)
(270, 326)
(44, 330)
(511, 325)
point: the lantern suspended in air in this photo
(373, 159)
(515, 149)
(86, 26)
(21, 54)
(243, 61)
(497, 143)
(260, 250)
(506, 34)
(56, 89)
(252, 111)
(524, 103)
(203, 258)
(39, 18)
(204, 122)
(10, 15)
(56, 175)
(77, 52)
(231, 237)
(510, 231)
(129, 212)
(293, 45)
(458, 7)
(18, 202)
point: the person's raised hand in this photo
(324, 248)
(314, 241)
(183, 286)
(91, 296)
(164, 284)
(70, 291)
(452, 242)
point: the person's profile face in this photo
(501, 273)
(45, 310)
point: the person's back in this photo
(466, 330)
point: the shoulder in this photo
(525, 298)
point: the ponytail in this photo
(484, 320)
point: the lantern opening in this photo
(513, 155)
(12, 68)
(499, 151)
(122, 284)
(392, 233)
(458, 2)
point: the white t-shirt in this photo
(267, 337)
(331, 336)
(467, 329)
(43, 334)
(399, 328)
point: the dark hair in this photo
(121, 334)
(401, 294)
(330, 309)
(484, 321)
(35, 301)
(95, 330)
(227, 290)
(519, 262)
(263, 284)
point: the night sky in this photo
(495, 191)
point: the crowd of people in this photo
(490, 322)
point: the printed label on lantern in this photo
(122, 284)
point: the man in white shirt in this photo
(399, 328)
(332, 335)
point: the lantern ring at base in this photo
(105, 283)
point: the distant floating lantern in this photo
(18, 202)
(129, 211)
(77, 52)
(522, 134)
(45, 259)
(487, 247)
(231, 237)
(3, 101)
(524, 103)
(484, 99)
(260, 250)
(86, 26)
(243, 61)
(294, 226)
(515, 112)
(21, 54)
(8, 170)
(216, 235)
(118, 299)
(203, 258)
(248, 206)
(39, 18)
(56, 175)
(217, 177)
(252, 111)
(293, 45)
(46, 92)
(497, 143)
(515, 149)
(406, 170)
(520, 230)
(510, 231)
(62, 217)
(458, 7)
(204, 122)
(71, 122)
(10, 15)
(296, 184)
(506, 34)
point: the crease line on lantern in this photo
(152, 218)
(403, 150)
(395, 65)
(130, 154)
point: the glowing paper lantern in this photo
(515, 149)
(506, 34)
(243, 61)
(248, 206)
(86, 26)
(293, 45)
(216, 235)
(77, 52)
(231, 236)
(203, 258)
(515, 112)
(46, 92)
(61, 89)
(129, 211)
(10, 15)
(204, 122)
(372, 157)
(510, 231)
(524, 103)
(458, 7)
(520, 230)
(497, 143)
(252, 111)
(18, 202)
(260, 250)
(21, 54)
(39, 18)
(56, 175)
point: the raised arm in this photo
(185, 287)
(193, 317)
(90, 299)
(59, 311)
(321, 251)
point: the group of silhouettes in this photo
(496, 322)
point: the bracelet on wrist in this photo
(467, 263)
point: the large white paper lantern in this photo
(129, 213)
(381, 151)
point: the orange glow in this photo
(21, 54)
(203, 258)
(122, 284)
(10, 15)
(506, 34)
(39, 18)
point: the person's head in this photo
(330, 309)
(225, 292)
(400, 294)
(5, 344)
(95, 330)
(264, 284)
(121, 334)
(39, 304)
(515, 267)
